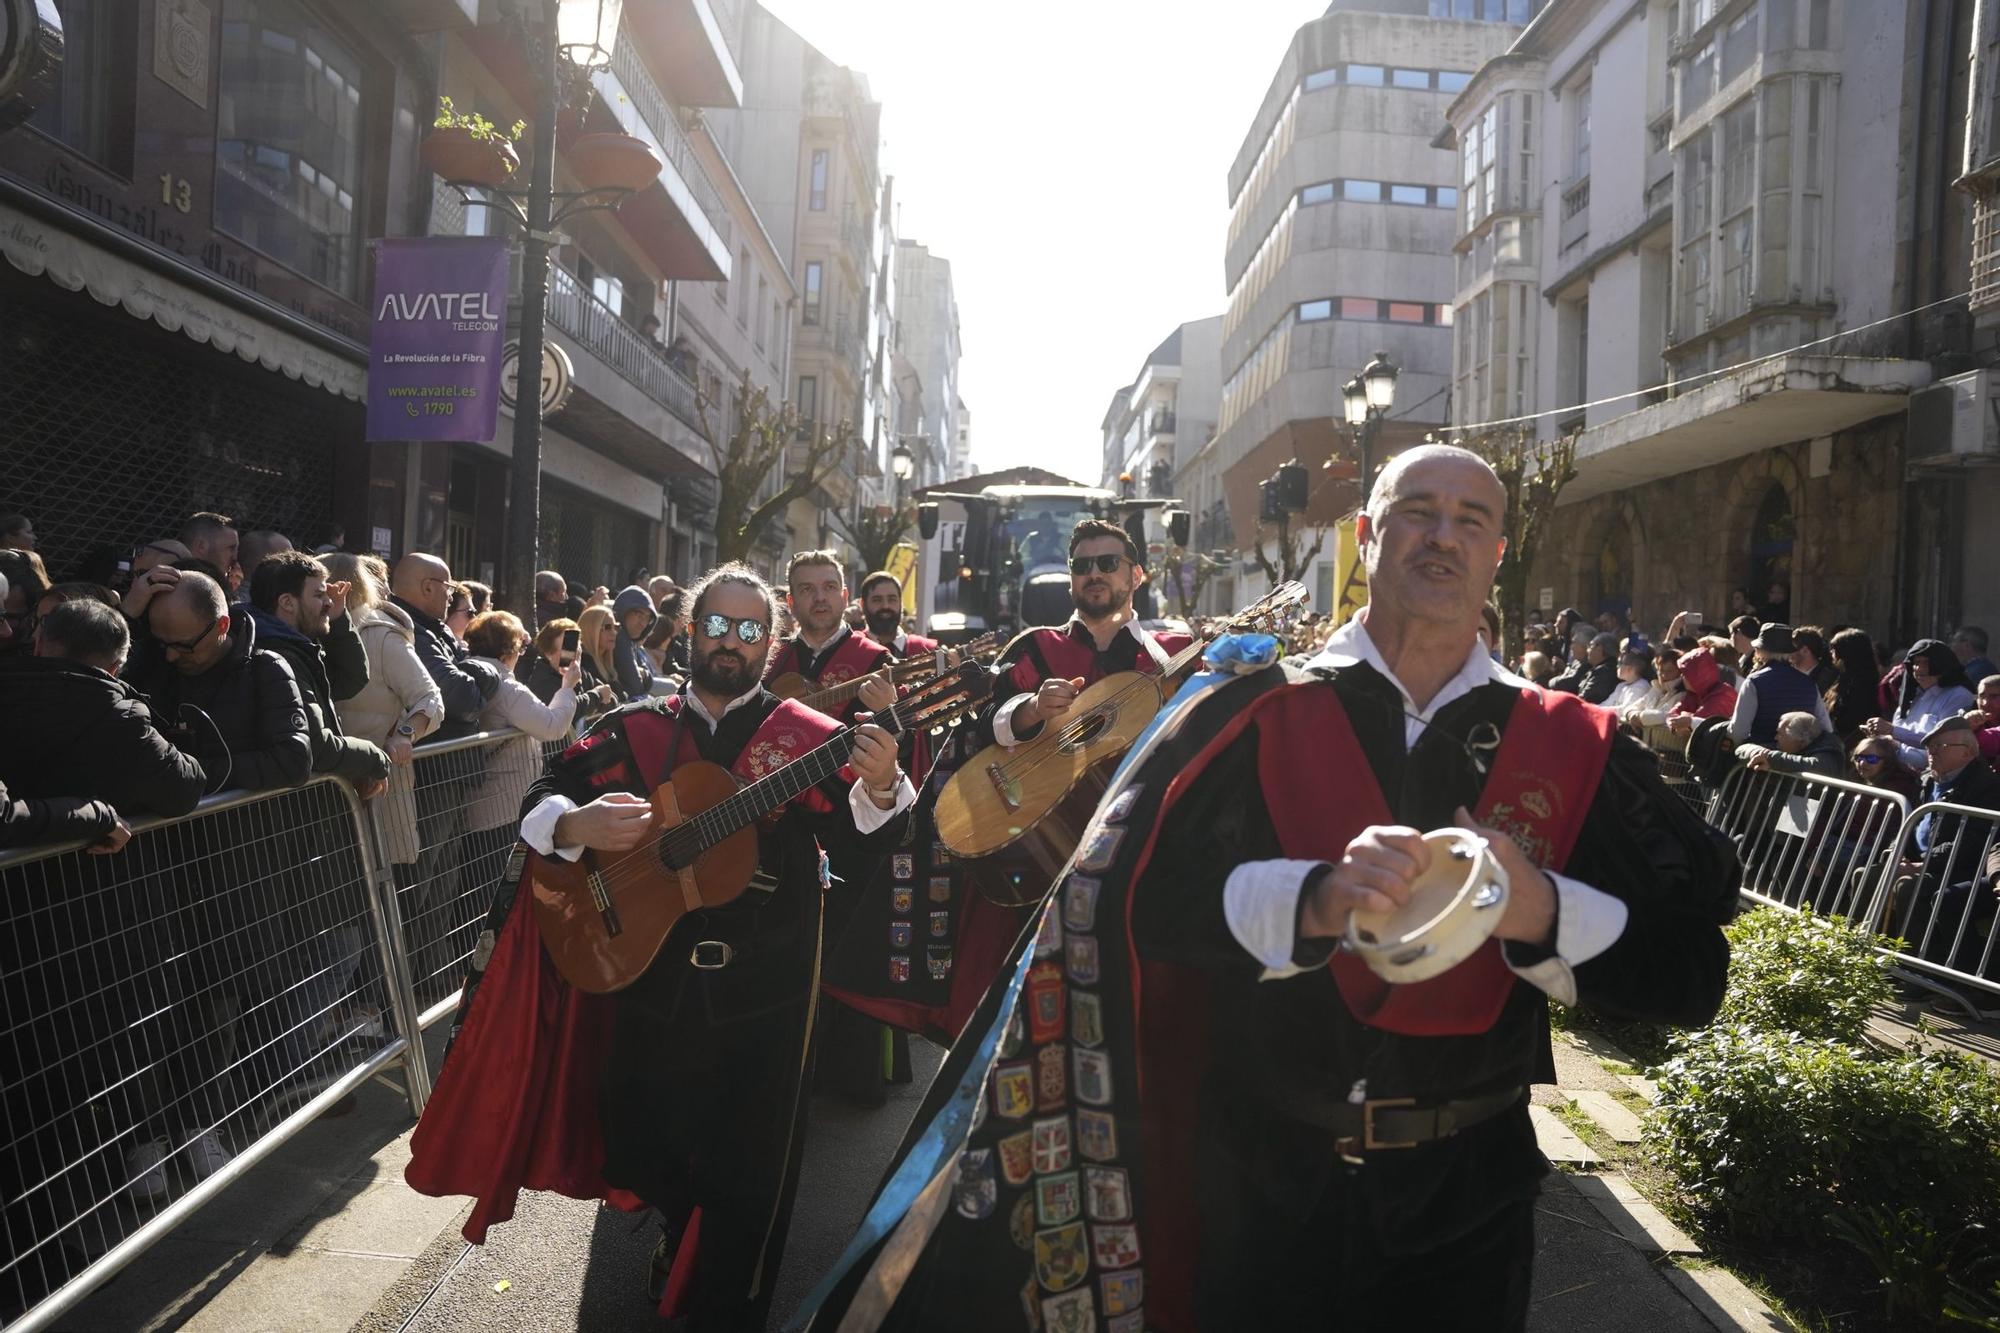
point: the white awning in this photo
(41, 250)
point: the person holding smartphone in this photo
(557, 647)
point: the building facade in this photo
(1722, 183)
(927, 312)
(1340, 238)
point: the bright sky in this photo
(1072, 163)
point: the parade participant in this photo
(882, 602)
(1203, 1116)
(826, 650)
(1045, 669)
(683, 1090)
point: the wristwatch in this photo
(406, 731)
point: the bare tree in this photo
(876, 530)
(765, 440)
(1293, 555)
(1533, 472)
(1186, 573)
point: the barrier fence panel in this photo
(1680, 778)
(170, 1013)
(1807, 842)
(1938, 896)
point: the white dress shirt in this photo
(538, 828)
(1003, 716)
(1260, 899)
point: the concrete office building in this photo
(927, 311)
(1340, 237)
(1691, 232)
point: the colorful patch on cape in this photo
(1014, 1091)
(975, 1191)
(1100, 848)
(1086, 1019)
(1096, 1134)
(1049, 938)
(1081, 953)
(1121, 805)
(1093, 1076)
(1021, 1224)
(1108, 1193)
(900, 934)
(1080, 902)
(1115, 1245)
(899, 967)
(940, 925)
(902, 898)
(1062, 1257)
(940, 854)
(1122, 1292)
(1072, 1312)
(1050, 1152)
(937, 962)
(1017, 1157)
(1058, 1199)
(940, 890)
(903, 865)
(1051, 1077)
(1045, 1002)
(1134, 1322)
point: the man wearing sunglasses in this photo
(1045, 669)
(686, 1088)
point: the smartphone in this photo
(571, 639)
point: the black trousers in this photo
(1262, 1269)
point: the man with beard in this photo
(303, 619)
(682, 1091)
(1045, 669)
(882, 603)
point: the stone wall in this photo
(1686, 539)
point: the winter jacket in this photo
(1912, 724)
(1630, 696)
(1826, 757)
(628, 659)
(466, 686)
(1598, 683)
(71, 730)
(515, 763)
(251, 698)
(1707, 694)
(398, 686)
(543, 680)
(359, 761)
(33, 821)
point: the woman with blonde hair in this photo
(400, 705)
(600, 642)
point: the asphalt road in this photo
(567, 1264)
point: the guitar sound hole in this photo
(665, 852)
(1089, 729)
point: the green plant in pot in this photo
(466, 146)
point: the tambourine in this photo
(1454, 907)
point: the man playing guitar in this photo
(825, 651)
(1044, 669)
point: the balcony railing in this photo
(1575, 212)
(594, 324)
(1985, 292)
(628, 69)
(1162, 423)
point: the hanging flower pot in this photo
(613, 162)
(458, 153)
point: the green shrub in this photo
(1764, 1133)
(1813, 975)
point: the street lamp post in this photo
(1367, 399)
(901, 464)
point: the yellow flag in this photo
(903, 564)
(1350, 577)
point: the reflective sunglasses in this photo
(1868, 759)
(1104, 564)
(715, 625)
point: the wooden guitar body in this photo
(1040, 794)
(604, 916)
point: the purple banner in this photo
(440, 330)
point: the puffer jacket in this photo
(465, 685)
(633, 667)
(250, 697)
(1706, 693)
(72, 730)
(359, 761)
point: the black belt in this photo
(1398, 1122)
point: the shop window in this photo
(92, 108)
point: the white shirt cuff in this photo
(1003, 720)
(1588, 921)
(869, 816)
(538, 828)
(1260, 901)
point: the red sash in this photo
(857, 655)
(1068, 657)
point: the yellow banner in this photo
(903, 564)
(1350, 577)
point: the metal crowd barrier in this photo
(1938, 905)
(1810, 843)
(171, 1013)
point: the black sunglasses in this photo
(715, 625)
(1104, 564)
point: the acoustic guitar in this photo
(1037, 797)
(604, 916)
(832, 698)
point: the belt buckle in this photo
(1351, 1148)
(711, 955)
